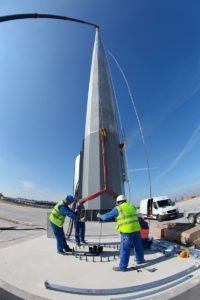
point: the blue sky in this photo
(44, 76)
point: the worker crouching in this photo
(144, 230)
(57, 219)
(129, 228)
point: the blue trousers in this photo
(60, 237)
(127, 241)
(79, 231)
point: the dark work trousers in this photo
(127, 240)
(60, 237)
(79, 231)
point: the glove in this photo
(99, 215)
(83, 219)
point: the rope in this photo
(119, 121)
(138, 120)
(100, 233)
(120, 128)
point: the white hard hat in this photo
(121, 198)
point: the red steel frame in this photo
(105, 176)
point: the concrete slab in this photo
(24, 267)
(28, 265)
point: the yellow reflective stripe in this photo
(125, 223)
(57, 217)
(58, 212)
(127, 216)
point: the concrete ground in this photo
(27, 264)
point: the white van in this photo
(159, 208)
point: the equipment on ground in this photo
(95, 253)
(96, 249)
(139, 269)
(184, 253)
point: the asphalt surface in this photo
(20, 222)
(23, 213)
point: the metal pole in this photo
(100, 233)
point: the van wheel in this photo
(198, 218)
(191, 219)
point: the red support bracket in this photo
(105, 179)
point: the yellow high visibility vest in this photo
(127, 219)
(56, 217)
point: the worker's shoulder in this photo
(131, 204)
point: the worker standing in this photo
(129, 228)
(79, 225)
(57, 219)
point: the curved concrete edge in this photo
(150, 293)
(187, 290)
(8, 291)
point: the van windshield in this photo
(164, 203)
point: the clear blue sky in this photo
(44, 76)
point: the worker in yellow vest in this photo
(57, 219)
(129, 228)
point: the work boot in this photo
(118, 269)
(83, 242)
(67, 250)
(140, 262)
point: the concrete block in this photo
(158, 232)
(189, 236)
(172, 235)
(182, 233)
(171, 231)
(196, 243)
(175, 230)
